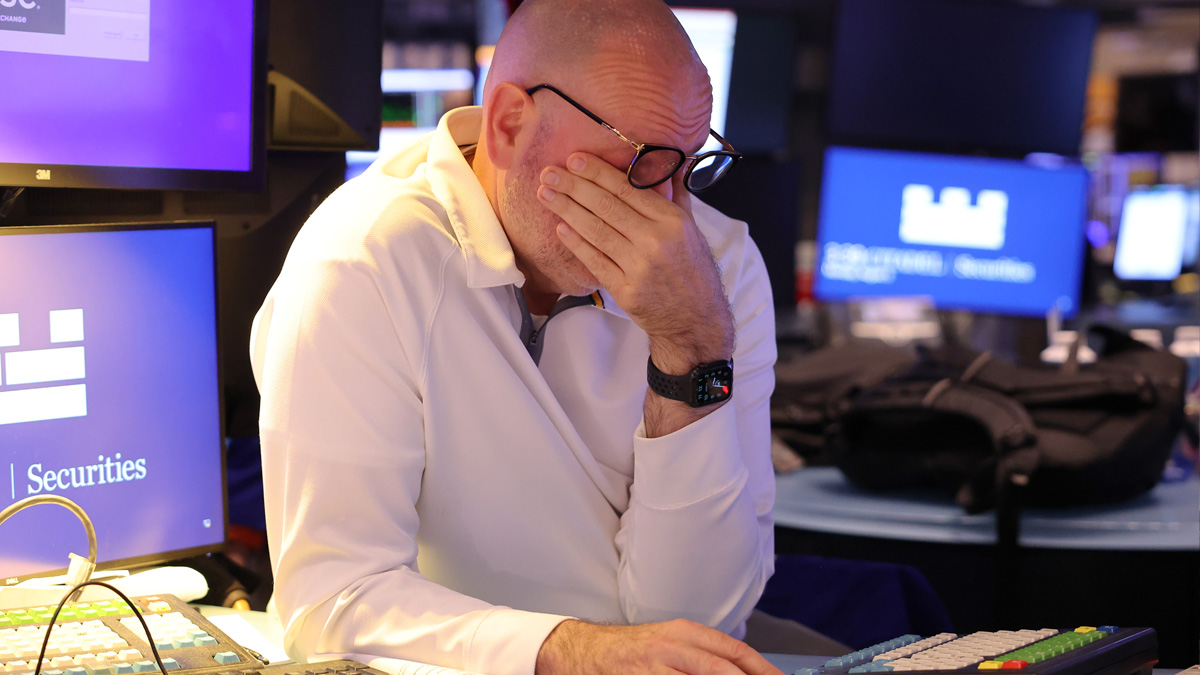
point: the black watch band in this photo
(706, 384)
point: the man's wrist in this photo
(555, 655)
(672, 358)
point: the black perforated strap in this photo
(674, 387)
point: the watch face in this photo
(714, 385)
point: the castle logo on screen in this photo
(953, 220)
(45, 383)
(33, 16)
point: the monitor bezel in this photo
(137, 562)
(14, 174)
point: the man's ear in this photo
(509, 110)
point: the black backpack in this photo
(975, 425)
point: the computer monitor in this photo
(109, 393)
(953, 76)
(103, 94)
(1191, 233)
(990, 236)
(1152, 238)
(1158, 113)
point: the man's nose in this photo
(664, 188)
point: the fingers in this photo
(614, 181)
(601, 219)
(601, 266)
(731, 650)
(695, 661)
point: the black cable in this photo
(149, 638)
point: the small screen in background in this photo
(984, 235)
(1152, 236)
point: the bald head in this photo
(562, 41)
(627, 61)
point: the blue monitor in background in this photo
(982, 235)
(109, 394)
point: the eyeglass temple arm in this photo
(595, 118)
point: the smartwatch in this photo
(706, 384)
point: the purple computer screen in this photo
(128, 83)
(109, 394)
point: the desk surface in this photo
(820, 499)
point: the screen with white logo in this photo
(109, 393)
(985, 235)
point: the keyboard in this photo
(1086, 650)
(105, 638)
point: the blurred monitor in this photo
(1153, 234)
(993, 236)
(1158, 113)
(324, 74)
(109, 394)
(109, 94)
(953, 76)
(1191, 234)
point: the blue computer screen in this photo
(984, 235)
(109, 393)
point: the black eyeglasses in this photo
(655, 164)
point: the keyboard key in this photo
(226, 657)
(206, 641)
(144, 666)
(123, 668)
(171, 664)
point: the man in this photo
(461, 448)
